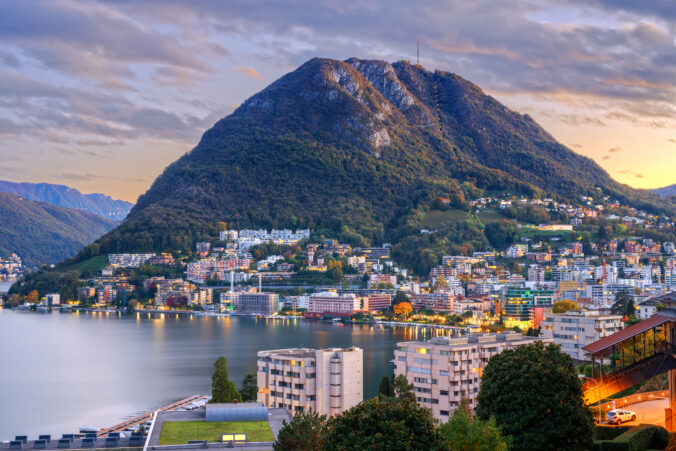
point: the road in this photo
(648, 412)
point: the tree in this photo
(383, 424)
(501, 234)
(623, 305)
(403, 309)
(222, 389)
(384, 388)
(303, 433)
(249, 390)
(402, 389)
(464, 433)
(563, 306)
(32, 297)
(440, 284)
(400, 297)
(14, 300)
(536, 398)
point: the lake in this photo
(61, 371)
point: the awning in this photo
(627, 333)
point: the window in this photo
(421, 350)
(443, 392)
(415, 369)
(443, 373)
(310, 375)
(443, 413)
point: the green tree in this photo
(303, 433)
(402, 389)
(623, 305)
(249, 389)
(383, 424)
(464, 433)
(222, 389)
(400, 297)
(501, 234)
(385, 388)
(536, 398)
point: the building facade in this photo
(332, 303)
(258, 303)
(326, 381)
(577, 328)
(443, 370)
(521, 304)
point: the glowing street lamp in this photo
(582, 376)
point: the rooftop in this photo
(472, 339)
(301, 352)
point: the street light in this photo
(582, 376)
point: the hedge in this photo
(609, 432)
(637, 438)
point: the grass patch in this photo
(93, 264)
(435, 219)
(180, 432)
(489, 215)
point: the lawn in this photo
(435, 219)
(93, 264)
(489, 215)
(180, 432)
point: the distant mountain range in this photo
(666, 191)
(40, 232)
(359, 150)
(65, 196)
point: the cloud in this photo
(672, 140)
(614, 149)
(250, 72)
(628, 172)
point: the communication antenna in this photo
(417, 44)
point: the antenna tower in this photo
(417, 44)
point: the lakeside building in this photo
(332, 303)
(52, 299)
(442, 301)
(377, 302)
(326, 381)
(523, 307)
(443, 370)
(577, 328)
(128, 260)
(258, 303)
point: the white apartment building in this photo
(326, 381)
(444, 369)
(330, 302)
(577, 328)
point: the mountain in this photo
(666, 191)
(44, 233)
(65, 196)
(359, 150)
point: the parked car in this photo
(619, 416)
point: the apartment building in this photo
(326, 381)
(377, 302)
(331, 303)
(577, 328)
(258, 303)
(443, 370)
(442, 301)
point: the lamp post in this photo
(582, 376)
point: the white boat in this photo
(89, 429)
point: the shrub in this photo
(609, 432)
(637, 438)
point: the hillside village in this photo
(582, 261)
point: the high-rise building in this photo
(444, 370)
(326, 381)
(521, 305)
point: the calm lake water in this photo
(61, 371)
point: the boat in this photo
(89, 429)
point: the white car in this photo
(619, 416)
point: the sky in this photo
(102, 96)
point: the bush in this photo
(637, 438)
(609, 432)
